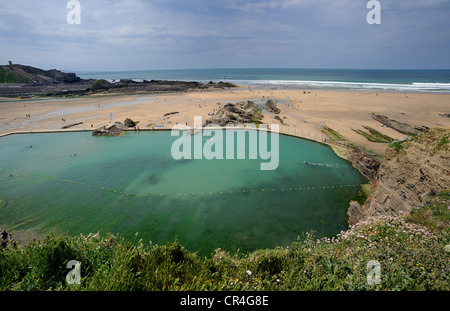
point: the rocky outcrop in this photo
(71, 125)
(239, 113)
(126, 86)
(408, 174)
(354, 213)
(112, 130)
(399, 126)
(29, 74)
(272, 106)
(129, 123)
(366, 163)
(6, 239)
(170, 113)
(23, 81)
(101, 85)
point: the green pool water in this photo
(131, 184)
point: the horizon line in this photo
(270, 68)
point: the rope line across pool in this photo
(183, 194)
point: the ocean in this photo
(435, 81)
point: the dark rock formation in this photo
(366, 163)
(129, 123)
(71, 125)
(170, 113)
(30, 74)
(354, 213)
(25, 81)
(112, 130)
(272, 106)
(280, 120)
(239, 113)
(101, 85)
(6, 239)
(399, 126)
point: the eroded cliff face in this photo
(410, 172)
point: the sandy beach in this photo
(304, 113)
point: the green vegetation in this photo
(397, 145)
(10, 76)
(373, 135)
(436, 140)
(443, 143)
(100, 85)
(257, 118)
(333, 134)
(362, 195)
(435, 214)
(410, 249)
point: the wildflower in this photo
(249, 273)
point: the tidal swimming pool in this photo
(131, 184)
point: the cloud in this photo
(129, 34)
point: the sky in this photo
(191, 34)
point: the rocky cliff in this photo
(27, 81)
(366, 163)
(28, 74)
(408, 174)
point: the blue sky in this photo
(175, 34)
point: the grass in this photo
(8, 76)
(443, 143)
(435, 214)
(340, 152)
(373, 135)
(436, 140)
(333, 134)
(410, 249)
(397, 145)
(257, 118)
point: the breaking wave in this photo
(415, 86)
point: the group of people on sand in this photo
(28, 116)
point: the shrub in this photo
(409, 249)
